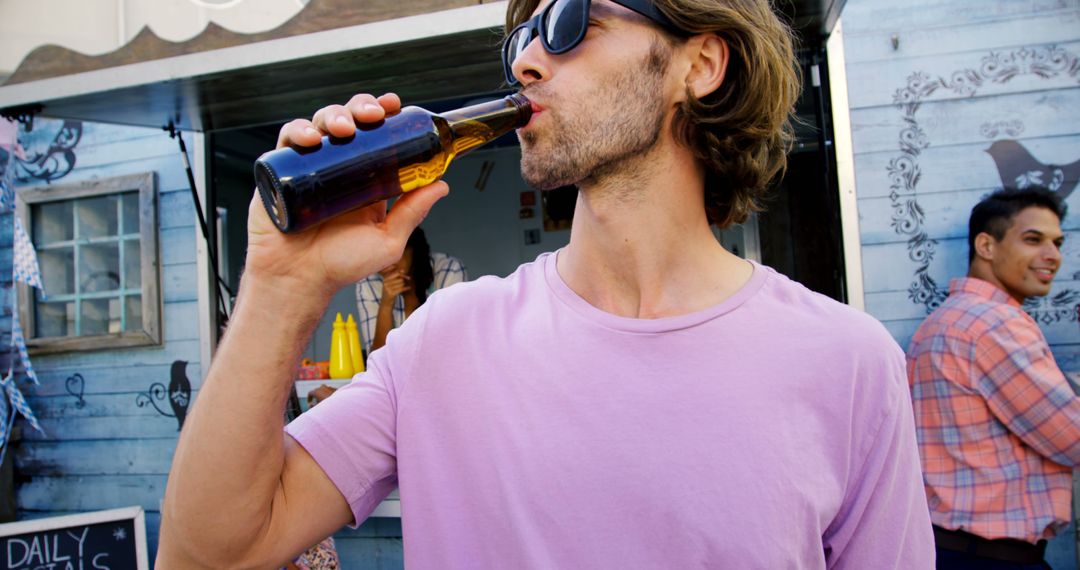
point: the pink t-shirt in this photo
(529, 429)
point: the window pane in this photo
(54, 319)
(97, 216)
(134, 312)
(114, 315)
(132, 265)
(52, 222)
(131, 213)
(99, 316)
(99, 268)
(57, 270)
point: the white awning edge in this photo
(386, 32)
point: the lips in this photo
(1044, 274)
(536, 110)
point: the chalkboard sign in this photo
(103, 540)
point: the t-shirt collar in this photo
(570, 298)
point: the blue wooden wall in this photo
(963, 74)
(931, 85)
(105, 450)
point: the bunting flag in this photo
(6, 418)
(24, 269)
(19, 342)
(9, 148)
(25, 259)
(18, 401)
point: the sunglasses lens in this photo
(565, 23)
(518, 43)
(515, 44)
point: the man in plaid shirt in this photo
(997, 422)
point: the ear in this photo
(984, 246)
(708, 64)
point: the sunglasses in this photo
(562, 25)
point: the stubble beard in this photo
(617, 123)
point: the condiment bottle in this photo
(341, 365)
(354, 345)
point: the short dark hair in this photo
(995, 213)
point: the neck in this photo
(982, 270)
(641, 245)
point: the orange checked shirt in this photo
(997, 422)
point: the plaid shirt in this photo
(997, 422)
(446, 271)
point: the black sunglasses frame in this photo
(536, 26)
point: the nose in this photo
(532, 64)
(1053, 253)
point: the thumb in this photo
(411, 209)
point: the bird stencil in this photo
(179, 391)
(1019, 169)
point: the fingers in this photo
(298, 132)
(411, 209)
(335, 120)
(339, 120)
(397, 284)
(391, 103)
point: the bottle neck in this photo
(479, 124)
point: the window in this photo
(96, 244)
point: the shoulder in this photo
(800, 311)
(967, 316)
(481, 306)
(471, 295)
(484, 299)
(849, 358)
(443, 262)
(848, 349)
(447, 270)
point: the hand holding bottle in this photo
(324, 258)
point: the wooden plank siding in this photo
(101, 449)
(931, 85)
(942, 38)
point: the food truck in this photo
(132, 174)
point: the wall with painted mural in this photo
(109, 417)
(951, 100)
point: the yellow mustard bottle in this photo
(341, 366)
(354, 345)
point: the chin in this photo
(1034, 292)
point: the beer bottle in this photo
(301, 187)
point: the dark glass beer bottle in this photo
(301, 187)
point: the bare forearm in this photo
(383, 324)
(230, 456)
